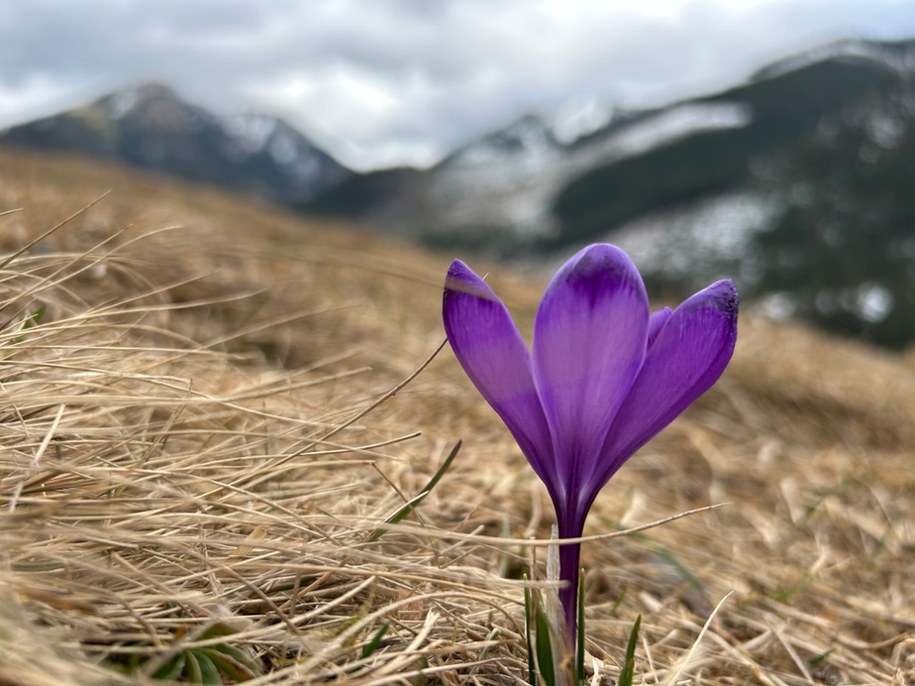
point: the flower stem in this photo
(569, 556)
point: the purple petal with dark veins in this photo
(490, 349)
(686, 358)
(589, 343)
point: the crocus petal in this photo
(689, 353)
(589, 344)
(490, 349)
(657, 319)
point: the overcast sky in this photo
(385, 82)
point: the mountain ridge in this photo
(773, 181)
(150, 127)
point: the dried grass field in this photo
(210, 408)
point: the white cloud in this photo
(380, 83)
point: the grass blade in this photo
(628, 671)
(545, 665)
(209, 674)
(171, 670)
(232, 664)
(375, 642)
(580, 637)
(528, 623)
(192, 672)
(408, 507)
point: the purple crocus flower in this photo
(603, 378)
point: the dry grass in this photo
(198, 442)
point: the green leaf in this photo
(231, 664)
(375, 642)
(172, 669)
(580, 638)
(192, 671)
(544, 647)
(408, 507)
(216, 630)
(628, 671)
(208, 672)
(528, 623)
(228, 651)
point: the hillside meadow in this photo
(210, 409)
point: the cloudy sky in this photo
(384, 82)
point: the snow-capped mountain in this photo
(798, 182)
(581, 116)
(260, 134)
(772, 181)
(895, 55)
(528, 143)
(150, 127)
(508, 181)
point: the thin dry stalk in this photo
(202, 430)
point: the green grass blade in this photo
(681, 568)
(231, 664)
(230, 651)
(544, 647)
(628, 671)
(817, 659)
(35, 318)
(192, 671)
(528, 623)
(171, 670)
(209, 674)
(216, 630)
(30, 322)
(375, 642)
(618, 603)
(408, 507)
(580, 637)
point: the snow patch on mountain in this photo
(125, 101)
(902, 60)
(666, 127)
(121, 102)
(252, 131)
(695, 241)
(285, 148)
(528, 142)
(290, 150)
(578, 118)
(510, 179)
(261, 133)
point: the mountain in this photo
(152, 128)
(797, 182)
(809, 205)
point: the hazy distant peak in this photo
(150, 126)
(152, 90)
(124, 100)
(152, 105)
(529, 137)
